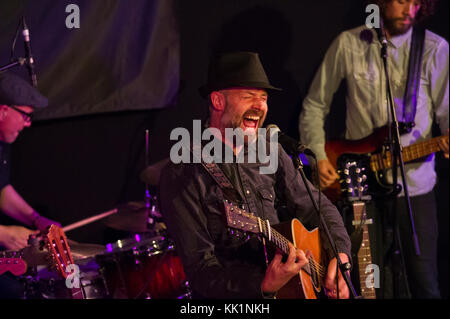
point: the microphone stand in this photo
(148, 197)
(18, 61)
(397, 161)
(343, 267)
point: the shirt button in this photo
(247, 191)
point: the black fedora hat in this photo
(16, 91)
(236, 69)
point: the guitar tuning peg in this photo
(346, 172)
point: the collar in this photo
(399, 40)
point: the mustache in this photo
(254, 113)
(409, 19)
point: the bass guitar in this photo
(354, 186)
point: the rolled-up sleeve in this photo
(316, 105)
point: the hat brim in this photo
(207, 89)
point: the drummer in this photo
(18, 99)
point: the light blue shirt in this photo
(359, 62)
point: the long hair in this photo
(426, 10)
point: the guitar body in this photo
(370, 154)
(339, 151)
(302, 286)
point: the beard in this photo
(396, 27)
(235, 121)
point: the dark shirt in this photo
(217, 263)
(4, 164)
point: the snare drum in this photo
(142, 267)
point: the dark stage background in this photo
(76, 167)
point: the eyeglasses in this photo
(27, 117)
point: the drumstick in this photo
(89, 220)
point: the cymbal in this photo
(83, 250)
(150, 175)
(131, 217)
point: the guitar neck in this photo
(410, 153)
(77, 293)
(274, 236)
(364, 254)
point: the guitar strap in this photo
(219, 177)
(413, 80)
(229, 192)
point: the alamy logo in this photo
(73, 19)
(373, 19)
(255, 141)
(373, 277)
(73, 277)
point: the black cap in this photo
(236, 69)
(16, 91)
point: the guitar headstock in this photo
(239, 218)
(15, 265)
(352, 179)
(59, 249)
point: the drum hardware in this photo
(134, 217)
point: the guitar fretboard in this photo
(383, 161)
(275, 237)
(364, 254)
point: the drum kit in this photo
(144, 265)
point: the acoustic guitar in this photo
(62, 260)
(308, 284)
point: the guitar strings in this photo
(317, 267)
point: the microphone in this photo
(28, 55)
(291, 146)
